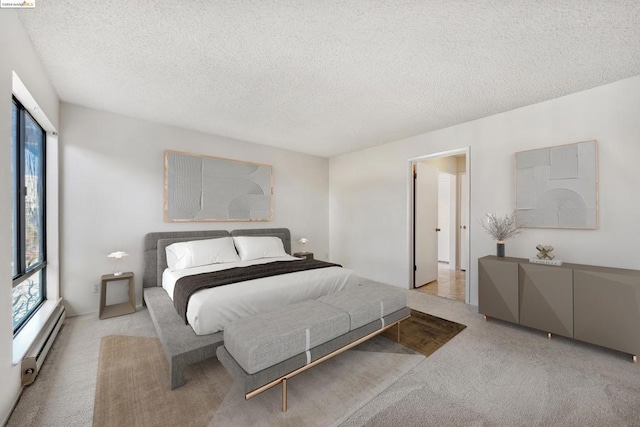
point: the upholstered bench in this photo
(268, 349)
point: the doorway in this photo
(439, 230)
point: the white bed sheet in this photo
(209, 310)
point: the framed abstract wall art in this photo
(206, 188)
(557, 187)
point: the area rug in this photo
(133, 386)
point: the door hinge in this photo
(415, 268)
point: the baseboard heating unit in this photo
(33, 360)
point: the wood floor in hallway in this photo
(450, 284)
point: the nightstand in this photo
(106, 311)
(307, 255)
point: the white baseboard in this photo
(13, 406)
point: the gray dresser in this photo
(598, 305)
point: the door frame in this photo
(411, 213)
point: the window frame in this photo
(19, 252)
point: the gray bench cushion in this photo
(254, 381)
(366, 303)
(258, 342)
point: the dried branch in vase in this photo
(501, 228)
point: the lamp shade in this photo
(303, 240)
(118, 254)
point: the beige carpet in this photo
(132, 387)
(492, 374)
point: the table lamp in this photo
(117, 255)
(303, 241)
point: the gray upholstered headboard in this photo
(155, 243)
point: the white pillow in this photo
(183, 255)
(256, 247)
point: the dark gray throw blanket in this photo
(188, 285)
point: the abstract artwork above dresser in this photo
(557, 186)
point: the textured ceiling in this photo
(329, 77)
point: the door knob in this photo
(437, 229)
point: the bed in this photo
(209, 310)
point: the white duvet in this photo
(209, 310)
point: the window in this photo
(29, 259)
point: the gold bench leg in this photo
(398, 332)
(284, 395)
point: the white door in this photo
(426, 223)
(464, 223)
(453, 221)
(444, 217)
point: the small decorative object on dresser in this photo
(501, 229)
(545, 256)
(545, 252)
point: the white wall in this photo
(16, 54)
(370, 198)
(112, 180)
